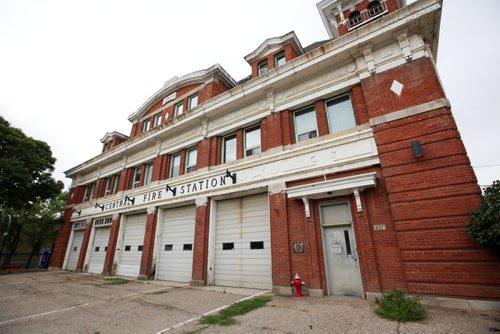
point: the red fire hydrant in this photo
(297, 285)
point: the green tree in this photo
(485, 221)
(26, 167)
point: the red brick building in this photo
(340, 161)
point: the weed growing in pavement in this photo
(396, 305)
(225, 317)
(115, 281)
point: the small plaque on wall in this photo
(298, 247)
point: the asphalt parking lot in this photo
(65, 302)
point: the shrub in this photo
(485, 225)
(396, 305)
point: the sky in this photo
(72, 70)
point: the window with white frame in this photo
(157, 119)
(148, 174)
(92, 189)
(229, 149)
(192, 101)
(252, 141)
(340, 114)
(146, 124)
(175, 165)
(191, 157)
(115, 183)
(179, 108)
(262, 67)
(279, 59)
(85, 194)
(306, 126)
(107, 190)
(136, 179)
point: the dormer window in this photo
(279, 59)
(192, 101)
(262, 67)
(179, 108)
(146, 124)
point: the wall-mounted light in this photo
(172, 190)
(128, 199)
(77, 212)
(416, 148)
(97, 205)
(232, 176)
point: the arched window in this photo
(374, 8)
(355, 18)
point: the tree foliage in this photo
(26, 167)
(485, 221)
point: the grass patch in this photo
(396, 305)
(225, 317)
(115, 281)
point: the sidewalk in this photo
(346, 315)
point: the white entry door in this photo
(129, 262)
(243, 243)
(175, 259)
(341, 260)
(98, 250)
(74, 252)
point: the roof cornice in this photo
(110, 135)
(273, 44)
(175, 83)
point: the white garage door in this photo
(98, 250)
(243, 243)
(175, 261)
(131, 247)
(74, 252)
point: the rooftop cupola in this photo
(343, 16)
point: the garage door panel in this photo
(74, 252)
(98, 250)
(240, 222)
(178, 226)
(129, 262)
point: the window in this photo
(256, 244)
(137, 177)
(85, 194)
(227, 245)
(187, 247)
(157, 120)
(179, 108)
(355, 19)
(107, 190)
(145, 125)
(252, 141)
(139, 248)
(116, 183)
(192, 101)
(148, 175)
(305, 124)
(169, 247)
(262, 67)
(92, 188)
(340, 114)
(127, 248)
(191, 160)
(229, 149)
(375, 8)
(279, 59)
(175, 165)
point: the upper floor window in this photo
(229, 149)
(85, 194)
(279, 59)
(115, 183)
(107, 189)
(375, 8)
(157, 120)
(136, 179)
(148, 174)
(355, 18)
(252, 141)
(262, 67)
(145, 125)
(92, 189)
(192, 101)
(179, 108)
(175, 165)
(191, 157)
(340, 114)
(306, 126)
